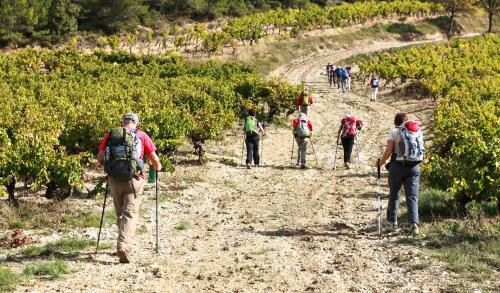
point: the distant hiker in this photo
(347, 133)
(405, 148)
(122, 154)
(328, 66)
(332, 78)
(349, 72)
(304, 100)
(338, 75)
(374, 85)
(252, 138)
(345, 78)
(330, 73)
(302, 130)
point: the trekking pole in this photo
(293, 144)
(314, 152)
(102, 216)
(242, 150)
(262, 148)
(335, 158)
(357, 152)
(379, 203)
(157, 242)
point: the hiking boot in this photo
(249, 166)
(414, 229)
(391, 227)
(347, 166)
(122, 256)
(302, 166)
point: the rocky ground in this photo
(275, 228)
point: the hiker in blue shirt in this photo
(338, 74)
(345, 78)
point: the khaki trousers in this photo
(127, 209)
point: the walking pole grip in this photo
(378, 168)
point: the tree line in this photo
(234, 32)
(23, 21)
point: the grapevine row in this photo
(463, 78)
(57, 106)
(282, 22)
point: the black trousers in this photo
(252, 142)
(331, 78)
(347, 144)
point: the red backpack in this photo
(350, 127)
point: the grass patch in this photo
(30, 215)
(470, 246)
(408, 240)
(419, 266)
(274, 216)
(229, 162)
(406, 31)
(88, 219)
(70, 245)
(437, 203)
(142, 229)
(181, 226)
(50, 215)
(8, 279)
(48, 269)
(166, 196)
(472, 260)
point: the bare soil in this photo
(275, 228)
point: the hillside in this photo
(273, 228)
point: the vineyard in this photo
(285, 23)
(58, 105)
(463, 79)
(221, 227)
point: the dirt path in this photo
(274, 228)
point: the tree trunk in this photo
(11, 189)
(450, 29)
(490, 21)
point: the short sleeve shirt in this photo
(393, 134)
(148, 147)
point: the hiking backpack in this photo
(250, 125)
(338, 71)
(349, 129)
(305, 99)
(345, 74)
(375, 82)
(123, 154)
(410, 145)
(302, 129)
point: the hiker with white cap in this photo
(302, 130)
(122, 154)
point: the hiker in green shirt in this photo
(251, 130)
